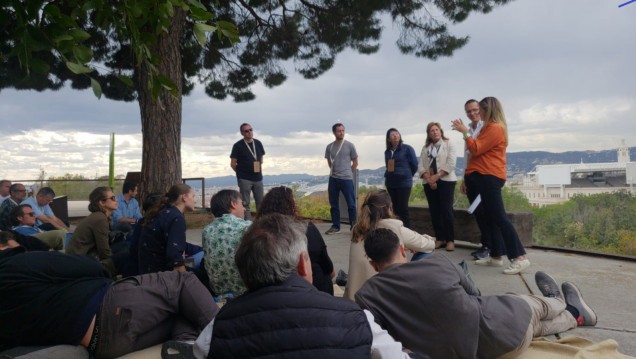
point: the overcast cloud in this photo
(563, 70)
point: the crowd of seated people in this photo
(268, 266)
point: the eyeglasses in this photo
(109, 198)
(248, 130)
(31, 214)
(20, 190)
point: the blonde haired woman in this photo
(377, 212)
(487, 170)
(437, 169)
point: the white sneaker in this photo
(490, 261)
(516, 266)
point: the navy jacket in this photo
(405, 167)
(292, 320)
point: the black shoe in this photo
(175, 349)
(341, 278)
(574, 298)
(548, 286)
(332, 230)
(481, 253)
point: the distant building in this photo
(553, 184)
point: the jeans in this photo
(336, 186)
(440, 204)
(400, 200)
(489, 187)
(245, 187)
(480, 213)
(146, 310)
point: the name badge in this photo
(390, 165)
(257, 166)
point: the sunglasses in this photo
(30, 214)
(110, 198)
(248, 130)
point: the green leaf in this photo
(77, 68)
(82, 53)
(97, 88)
(199, 31)
(126, 80)
(201, 14)
(196, 4)
(79, 35)
(63, 37)
(39, 66)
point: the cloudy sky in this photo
(565, 72)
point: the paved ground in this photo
(608, 285)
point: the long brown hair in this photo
(96, 197)
(376, 206)
(428, 137)
(170, 197)
(278, 200)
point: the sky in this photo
(565, 72)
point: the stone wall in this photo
(466, 227)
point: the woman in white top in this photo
(437, 169)
(377, 212)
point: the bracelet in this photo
(466, 135)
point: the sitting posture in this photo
(220, 239)
(282, 314)
(44, 216)
(51, 298)
(451, 318)
(377, 212)
(17, 194)
(281, 200)
(163, 245)
(91, 238)
(23, 219)
(127, 214)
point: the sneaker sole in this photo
(589, 316)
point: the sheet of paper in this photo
(473, 206)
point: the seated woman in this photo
(377, 212)
(162, 245)
(281, 200)
(90, 238)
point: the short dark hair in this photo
(381, 244)
(221, 202)
(388, 140)
(46, 191)
(14, 187)
(471, 101)
(242, 125)
(336, 125)
(128, 186)
(16, 212)
(152, 200)
(268, 253)
(5, 237)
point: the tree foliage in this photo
(150, 51)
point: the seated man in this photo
(17, 194)
(54, 298)
(282, 313)
(23, 220)
(452, 319)
(127, 214)
(220, 239)
(45, 218)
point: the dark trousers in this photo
(146, 310)
(480, 213)
(336, 186)
(440, 204)
(489, 187)
(400, 199)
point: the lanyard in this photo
(337, 152)
(253, 152)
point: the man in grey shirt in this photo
(342, 159)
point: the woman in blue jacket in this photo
(401, 165)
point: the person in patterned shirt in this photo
(220, 239)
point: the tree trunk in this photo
(161, 118)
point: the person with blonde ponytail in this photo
(377, 212)
(163, 245)
(487, 171)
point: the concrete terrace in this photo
(607, 285)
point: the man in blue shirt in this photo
(45, 219)
(127, 213)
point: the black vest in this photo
(290, 320)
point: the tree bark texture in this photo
(161, 118)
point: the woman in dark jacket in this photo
(281, 200)
(401, 165)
